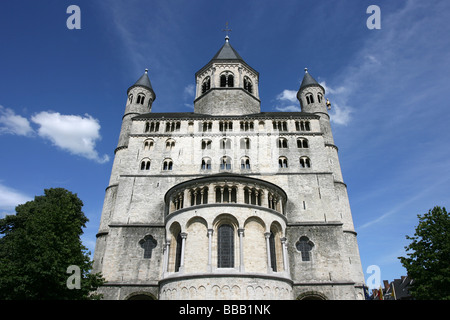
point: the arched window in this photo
(178, 252)
(226, 194)
(248, 84)
(148, 244)
(205, 126)
(145, 164)
(282, 162)
(304, 246)
(206, 164)
(225, 246)
(302, 126)
(225, 143)
(282, 143)
(305, 162)
(272, 201)
(245, 143)
(206, 85)
(273, 256)
(279, 125)
(252, 196)
(230, 82)
(247, 126)
(149, 144)
(167, 164)
(206, 144)
(170, 143)
(319, 97)
(140, 98)
(199, 196)
(130, 98)
(309, 98)
(225, 126)
(151, 126)
(225, 163)
(173, 126)
(223, 81)
(226, 80)
(307, 127)
(302, 143)
(245, 163)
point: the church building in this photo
(227, 202)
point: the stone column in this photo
(211, 193)
(166, 257)
(213, 79)
(187, 198)
(241, 250)
(210, 233)
(269, 268)
(240, 193)
(281, 205)
(183, 246)
(284, 251)
(240, 84)
(265, 198)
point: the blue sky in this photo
(63, 93)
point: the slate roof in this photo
(192, 115)
(308, 80)
(143, 81)
(227, 54)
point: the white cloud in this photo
(72, 133)
(189, 90)
(288, 95)
(10, 198)
(11, 123)
(340, 114)
(290, 108)
(340, 110)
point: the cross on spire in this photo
(227, 29)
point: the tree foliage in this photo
(428, 261)
(39, 243)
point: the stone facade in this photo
(227, 202)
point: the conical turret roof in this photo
(308, 80)
(143, 81)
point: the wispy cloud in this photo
(422, 193)
(75, 134)
(11, 123)
(285, 101)
(10, 198)
(288, 95)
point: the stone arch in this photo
(276, 250)
(175, 246)
(312, 295)
(196, 252)
(140, 295)
(225, 219)
(255, 248)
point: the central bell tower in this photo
(227, 85)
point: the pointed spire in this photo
(143, 81)
(308, 80)
(227, 52)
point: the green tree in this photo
(39, 243)
(428, 261)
